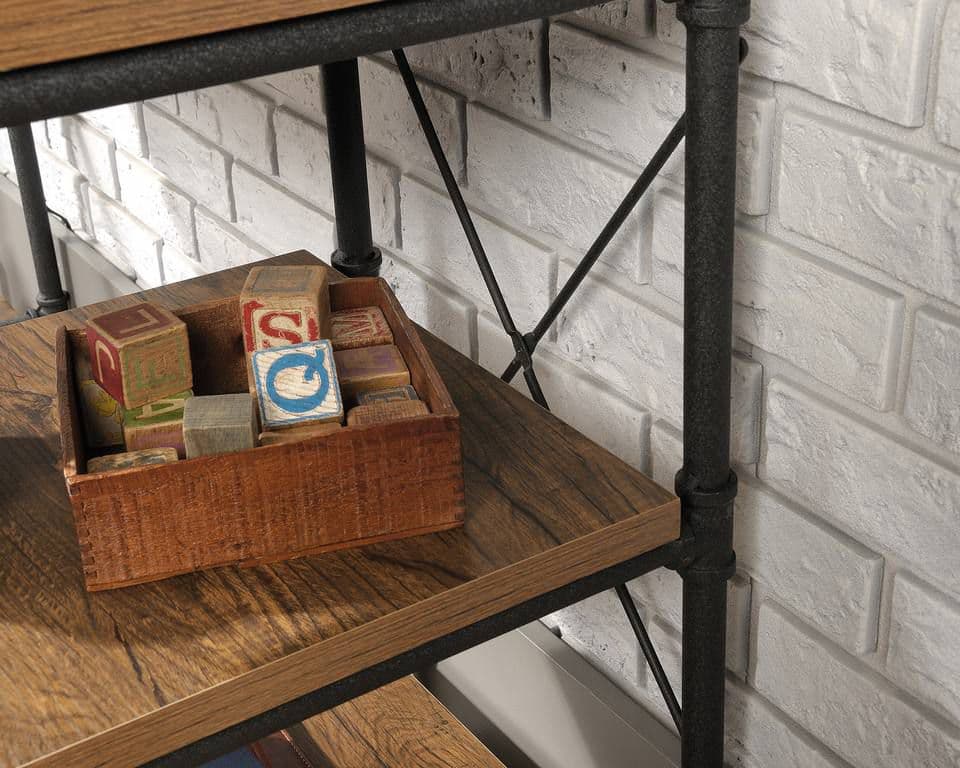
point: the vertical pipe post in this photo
(50, 297)
(356, 255)
(706, 485)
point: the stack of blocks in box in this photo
(309, 370)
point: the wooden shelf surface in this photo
(43, 31)
(402, 725)
(120, 677)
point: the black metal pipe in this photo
(81, 84)
(419, 658)
(470, 231)
(706, 484)
(355, 255)
(50, 297)
(650, 654)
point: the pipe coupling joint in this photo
(713, 13)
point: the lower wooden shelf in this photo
(123, 677)
(401, 725)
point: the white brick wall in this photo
(846, 410)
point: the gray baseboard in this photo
(537, 704)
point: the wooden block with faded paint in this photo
(375, 413)
(281, 306)
(406, 392)
(156, 425)
(102, 415)
(295, 434)
(297, 384)
(369, 368)
(139, 354)
(361, 327)
(131, 459)
(215, 424)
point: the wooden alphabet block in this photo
(406, 392)
(156, 425)
(132, 459)
(375, 413)
(363, 327)
(297, 384)
(295, 434)
(368, 368)
(219, 424)
(102, 415)
(139, 354)
(280, 306)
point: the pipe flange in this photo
(713, 13)
(368, 267)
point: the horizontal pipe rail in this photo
(77, 85)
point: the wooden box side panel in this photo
(270, 503)
(72, 439)
(216, 346)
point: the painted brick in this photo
(666, 453)
(191, 162)
(640, 353)
(159, 205)
(888, 208)
(390, 123)
(91, 151)
(430, 304)
(626, 20)
(220, 246)
(758, 736)
(62, 187)
(946, 119)
(626, 102)
(932, 406)
(503, 67)
(924, 627)
(842, 329)
(6, 156)
(177, 266)
(277, 219)
(850, 709)
(827, 578)
(299, 90)
(890, 498)
(874, 58)
(234, 117)
(303, 160)
(598, 630)
(433, 238)
(166, 103)
(623, 342)
(606, 418)
(550, 186)
(124, 124)
(125, 240)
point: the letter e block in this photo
(219, 424)
(297, 384)
(280, 306)
(156, 425)
(139, 354)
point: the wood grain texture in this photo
(368, 368)
(390, 395)
(401, 725)
(116, 678)
(378, 412)
(295, 434)
(44, 31)
(215, 424)
(141, 458)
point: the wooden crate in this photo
(358, 485)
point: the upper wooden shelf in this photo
(123, 676)
(43, 31)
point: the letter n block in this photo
(139, 354)
(280, 306)
(297, 384)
